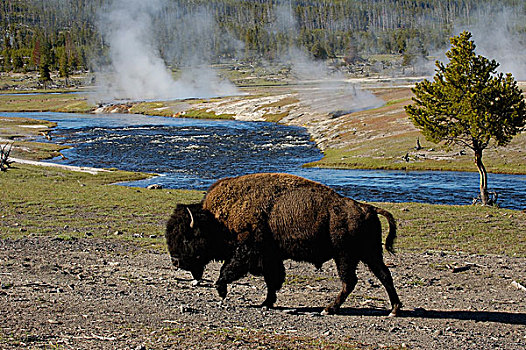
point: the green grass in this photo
(275, 117)
(281, 103)
(387, 152)
(471, 229)
(68, 205)
(205, 114)
(36, 150)
(17, 130)
(152, 108)
(45, 102)
(18, 127)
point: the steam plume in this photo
(323, 90)
(498, 35)
(136, 70)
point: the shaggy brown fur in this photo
(261, 220)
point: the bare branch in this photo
(5, 163)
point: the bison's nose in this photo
(175, 262)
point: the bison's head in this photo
(188, 242)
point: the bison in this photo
(255, 222)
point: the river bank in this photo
(190, 153)
(376, 138)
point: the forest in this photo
(66, 35)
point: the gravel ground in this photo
(108, 294)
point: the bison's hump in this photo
(243, 202)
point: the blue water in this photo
(192, 154)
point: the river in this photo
(192, 154)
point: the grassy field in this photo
(22, 131)
(45, 101)
(65, 205)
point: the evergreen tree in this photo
(17, 60)
(469, 104)
(44, 67)
(318, 51)
(64, 66)
(45, 73)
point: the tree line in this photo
(62, 35)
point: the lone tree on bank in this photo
(469, 104)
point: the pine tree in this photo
(64, 65)
(469, 104)
(45, 73)
(318, 51)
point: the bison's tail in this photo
(389, 241)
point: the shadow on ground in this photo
(477, 316)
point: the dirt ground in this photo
(107, 294)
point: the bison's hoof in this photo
(267, 305)
(396, 311)
(328, 311)
(221, 290)
(196, 283)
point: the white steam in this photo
(136, 70)
(499, 34)
(323, 89)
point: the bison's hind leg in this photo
(274, 274)
(347, 271)
(381, 271)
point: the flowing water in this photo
(192, 154)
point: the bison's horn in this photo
(191, 218)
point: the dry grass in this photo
(381, 137)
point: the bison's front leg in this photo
(232, 270)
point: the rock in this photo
(51, 321)
(155, 187)
(187, 309)
(118, 233)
